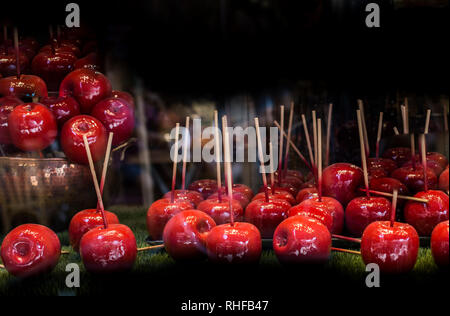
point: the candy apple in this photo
(393, 248)
(185, 235)
(383, 163)
(290, 173)
(440, 245)
(306, 194)
(443, 180)
(29, 250)
(66, 48)
(186, 195)
(238, 244)
(8, 63)
(399, 155)
(107, 250)
(413, 178)
(431, 165)
(301, 239)
(124, 95)
(205, 186)
(63, 108)
(439, 158)
(90, 61)
(341, 181)
(242, 198)
(7, 104)
(279, 195)
(220, 211)
(267, 215)
(25, 86)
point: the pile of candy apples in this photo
(32, 119)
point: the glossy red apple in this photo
(117, 116)
(290, 173)
(245, 189)
(302, 240)
(443, 180)
(86, 220)
(124, 95)
(413, 178)
(393, 249)
(362, 211)
(440, 245)
(439, 158)
(399, 155)
(234, 244)
(242, 198)
(90, 61)
(267, 215)
(63, 108)
(205, 186)
(185, 235)
(318, 213)
(108, 250)
(220, 211)
(279, 195)
(8, 63)
(62, 47)
(186, 195)
(32, 127)
(160, 212)
(341, 181)
(386, 164)
(306, 194)
(431, 165)
(87, 86)
(26, 86)
(29, 250)
(425, 216)
(7, 105)
(72, 141)
(388, 185)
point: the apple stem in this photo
(228, 168)
(272, 176)
(185, 151)
(16, 46)
(150, 248)
(280, 155)
(175, 161)
(380, 130)
(261, 159)
(94, 179)
(357, 240)
(346, 251)
(329, 117)
(105, 166)
(217, 152)
(286, 154)
(427, 122)
(363, 154)
(319, 157)
(424, 161)
(308, 142)
(394, 206)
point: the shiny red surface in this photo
(90, 61)
(439, 158)
(239, 196)
(87, 86)
(279, 195)
(425, 216)
(244, 189)
(377, 173)
(108, 250)
(117, 116)
(413, 178)
(266, 216)
(302, 240)
(443, 180)
(399, 155)
(159, 214)
(388, 185)
(291, 173)
(72, 138)
(204, 186)
(8, 63)
(64, 47)
(32, 127)
(383, 163)
(63, 108)
(185, 235)
(26, 86)
(7, 104)
(237, 244)
(431, 165)
(394, 249)
(283, 187)
(440, 244)
(53, 67)
(306, 194)
(220, 211)
(186, 195)
(124, 95)
(29, 250)
(84, 221)
(290, 181)
(341, 181)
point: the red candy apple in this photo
(431, 165)
(7, 105)
(63, 108)
(425, 216)
(87, 86)
(439, 158)
(26, 86)
(267, 215)
(220, 211)
(341, 181)
(306, 194)
(186, 195)
(388, 185)
(72, 138)
(399, 155)
(301, 239)
(29, 250)
(107, 250)
(205, 186)
(440, 245)
(443, 180)
(117, 116)
(238, 244)
(86, 220)
(160, 212)
(279, 195)
(125, 96)
(61, 47)
(185, 235)
(413, 178)
(90, 61)
(8, 63)
(53, 67)
(393, 248)
(32, 127)
(382, 163)
(242, 198)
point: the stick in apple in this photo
(427, 122)
(396, 132)
(327, 150)
(319, 158)
(308, 140)
(217, 152)
(272, 176)
(413, 150)
(314, 117)
(363, 119)
(407, 115)
(286, 154)
(261, 159)
(354, 252)
(363, 156)
(185, 151)
(424, 161)
(357, 240)
(105, 166)
(394, 206)
(226, 145)
(280, 154)
(16, 47)
(403, 197)
(175, 161)
(380, 130)
(94, 179)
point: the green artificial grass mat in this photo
(157, 265)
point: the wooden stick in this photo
(2, 267)
(272, 176)
(363, 120)
(217, 152)
(314, 117)
(151, 248)
(308, 140)
(261, 159)
(413, 150)
(295, 148)
(228, 168)
(327, 150)
(319, 158)
(403, 197)
(65, 252)
(286, 155)
(396, 132)
(363, 155)
(185, 151)
(16, 47)
(407, 115)
(94, 179)
(105, 166)
(380, 130)
(280, 154)
(427, 122)
(404, 119)
(424, 161)
(346, 251)
(175, 161)
(394, 206)
(357, 240)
